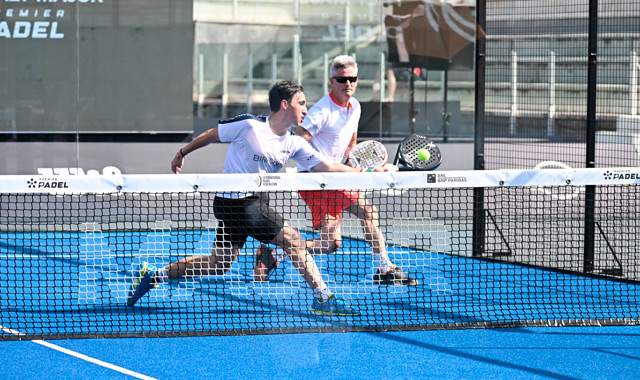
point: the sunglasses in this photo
(345, 79)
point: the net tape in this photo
(317, 181)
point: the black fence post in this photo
(590, 191)
(478, 192)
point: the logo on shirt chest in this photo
(265, 160)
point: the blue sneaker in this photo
(332, 306)
(142, 283)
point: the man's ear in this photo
(284, 104)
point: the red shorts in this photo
(328, 202)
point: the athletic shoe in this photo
(394, 277)
(142, 284)
(265, 263)
(332, 306)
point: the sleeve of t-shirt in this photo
(231, 131)
(305, 155)
(314, 120)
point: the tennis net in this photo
(488, 248)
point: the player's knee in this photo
(287, 237)
(294, 241)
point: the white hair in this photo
(342, 62)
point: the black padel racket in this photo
(407, 154)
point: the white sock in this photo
(161, 275)
(383, 262)
(279, 254)
(322, 293)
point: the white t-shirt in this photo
(332, 127)
(255, 148)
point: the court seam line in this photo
(82, 356)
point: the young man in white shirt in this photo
(259, 144)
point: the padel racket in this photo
(407, 154)
(368, 154)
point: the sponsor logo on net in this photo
(49, 180)
(47, 183)
(267, 180)
(441, 178)
(620, 175)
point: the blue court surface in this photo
(62, 284)
(590, 353)
(77, 283)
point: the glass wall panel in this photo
(102, 86)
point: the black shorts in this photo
(244, 217)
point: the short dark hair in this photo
(283, 90)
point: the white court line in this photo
(82, 357)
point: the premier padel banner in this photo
(95, 66)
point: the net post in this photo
(479, 222)
(589, 229)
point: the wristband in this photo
(183, 155)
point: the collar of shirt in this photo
(349, 107)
